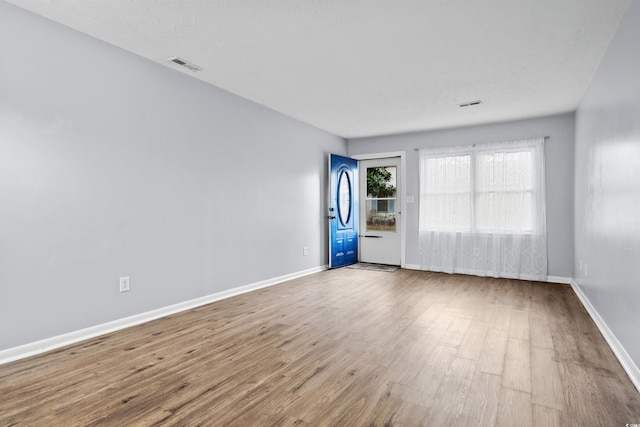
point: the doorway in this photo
(367, 222)
(380, 209)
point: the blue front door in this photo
(343, 211)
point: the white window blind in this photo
(482, 209)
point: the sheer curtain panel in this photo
(483, 210)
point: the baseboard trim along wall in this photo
(550, 279)
(627, 363)
(48, 344)
(559, 279)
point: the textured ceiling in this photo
(369, 67)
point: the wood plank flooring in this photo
(340, 348)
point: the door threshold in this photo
(373, 267)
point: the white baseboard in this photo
(31, 349)
(550, 279)
(625, 360)
(560, 279)
(52, 343)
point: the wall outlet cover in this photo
(125, 284)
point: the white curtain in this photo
(483, 210)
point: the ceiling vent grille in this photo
(470, 104)
(184, 63)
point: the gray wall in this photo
(559, 168)
(607, 186)
(112, 165)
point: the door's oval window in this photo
(344, 198)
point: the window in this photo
(482, 210)
(344, 198)
(381, 198)
(482, 190)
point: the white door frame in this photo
(403, 192)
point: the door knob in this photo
(331, 217)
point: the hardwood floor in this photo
(340, 348)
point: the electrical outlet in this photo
(410, 199)
(305, 252)
(125, 284)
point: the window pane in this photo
(450, 174)
(504, 201)
(511, 171)
(344, 198)
(381, 193)
(381, 215)
(504, 212)
(447, 212)
(446, 196)
(381, 182)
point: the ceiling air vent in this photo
(184, 63)
(469, 104)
